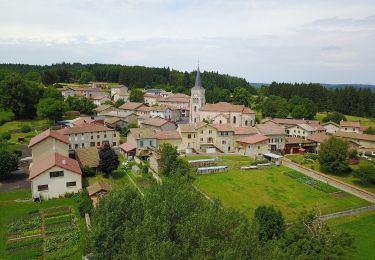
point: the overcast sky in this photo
(331, 41)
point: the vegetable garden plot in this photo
(311, 182)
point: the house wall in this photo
(296, 131)
(331, 129)
(235, 119)
(253, 150)
(224, 141)
(48, 146)
(174, 142)
(277, 140)
(350, 129)
(94, 139)
(151, 101)
(154, 164)
(57, 185)
(187, 142)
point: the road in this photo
(366, 195)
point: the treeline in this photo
(348, 100)
(132, 76)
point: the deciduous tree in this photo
(334, 155)
(108, 159)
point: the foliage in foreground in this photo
(174, 221)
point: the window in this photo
(92, 144)
(76, 146)
(56, 174)
(71, 184)
(42, 187)
(234, 120)
(105, 135)
(83, 145)
(201, 139)
(189, 136)
(92, 137)
(245, 122)
(220, 122)
(114, 134)
(114, 143)
(201, 131)
(141, 143)
(97, 136)
(70, 146)
(195, 109)
(98, 144)
(210, 131)
(258, 147)
(224, 142)
(150, 142)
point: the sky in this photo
(327, 41)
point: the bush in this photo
(5, 136)
(311, 156)
(366, 174)
(88, 171)
(26, 128)
(85, 204)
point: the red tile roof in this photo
(349, 124)
(82, 120)
(270, 128)
(97, 187)
(167, 135)
(245, 130)
(155, 121)
(131, 105)
(223, 127)
(86, 128)
(48, 133)
(127, 147)
(226, 107)
(52, 160)
(288, 121)
(318, 137)
(253, 139)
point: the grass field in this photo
(365, 121)
(348, 178)
(362, 227)
(17, 125)
(12, 210)
(246, 190)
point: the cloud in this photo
(261, 40)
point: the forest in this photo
(298, 100)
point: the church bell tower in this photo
(197, 99)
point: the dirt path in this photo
(135, 184)
(25, 237)
(348, 212)
(366, 195)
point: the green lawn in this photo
(362, 227)
(365, 121)
(246, 190)
(348, 178)
(11, 210)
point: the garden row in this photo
(49, 234)
(300, 177)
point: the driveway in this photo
(18, 180)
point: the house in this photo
(224, 140)
(79, 121)
(54, 175)
(151, 99)
(170, 137)
(117, 91)
(131, 106)
(97, 190)
(143, 110)
(116, 122)
(352, 127)
(158, 123)
(240, 132)
(295, 145)
(188, 135)
(318, 138)
(254, 145)
(286, 122)
(141, 137)
(88, 157)
(363, 141)
(128, 150)
(331, 127)
(276, 134)
(100, 100)
(104, 109)
(128, 117)
(304, 130)
(90, 135)
(48, 142)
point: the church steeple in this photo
(198, 82)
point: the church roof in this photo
(226, 107)
(198, 81)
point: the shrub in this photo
(5, 136)
(26, 128)
(88, 171)
(85, 204)
(311, 156)
(366, 174)
(24, 224)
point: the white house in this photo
(331, 127)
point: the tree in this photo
(334, 117)
(366, 173)
(8, 162)
(50, 108)
(170, 163)
(119, 103)
(333, 156)
(299, 111)
(275, 106)
(86, 77)
(271, 222)
(81, 104)
(52, 92)
(34, 76)
(311, 238)
(172, 221)
(136, 95)
(19, 96)
(108, 159)
(241, 96)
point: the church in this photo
(218, 113)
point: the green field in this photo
(362, 227)
(12, 210)
(41, 125)
(348, 178)
(246, 190)
(365, 121)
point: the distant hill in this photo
(372, 87)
